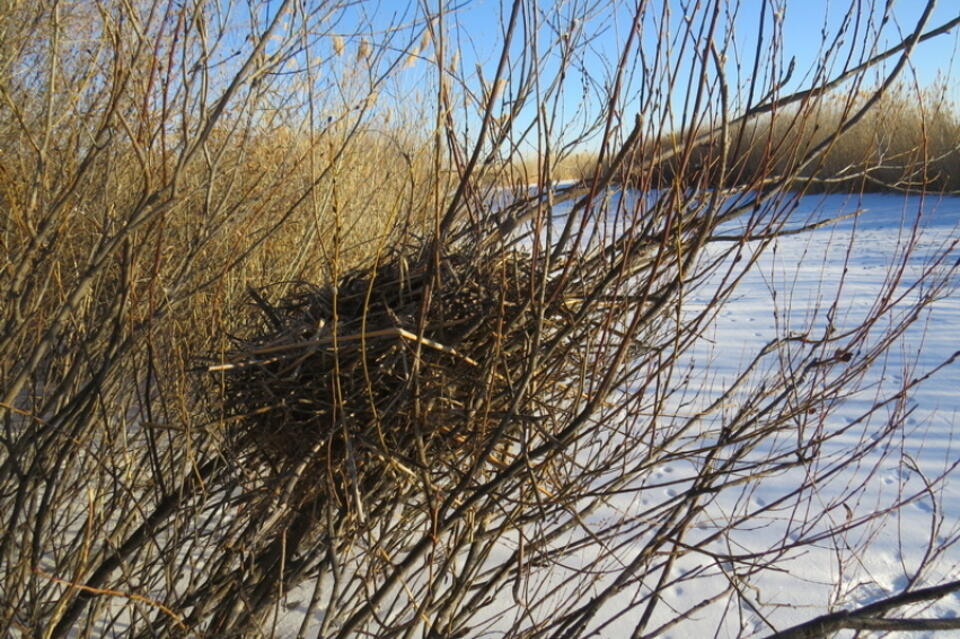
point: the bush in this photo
(276, 327)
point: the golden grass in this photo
(906, 143)
(259, 207)
(909, 141)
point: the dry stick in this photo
(385, 332)
(867, 617)
(775, 234)
(117, 593)
(464, 181)
(419, 549)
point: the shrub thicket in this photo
(273, 331)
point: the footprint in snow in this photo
(923, 505)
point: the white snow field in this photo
(790, 292)
(897, 504)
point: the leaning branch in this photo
(869, 617)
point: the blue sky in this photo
(804, 22)
(936, 56)
(475, 31)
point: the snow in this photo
(788, 291)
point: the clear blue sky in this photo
(475, 28)
(805, 18)
(804, 24)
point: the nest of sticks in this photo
(404, 368)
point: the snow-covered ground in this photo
(789, 291)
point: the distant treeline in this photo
(903, 144)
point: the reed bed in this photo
(909, 142)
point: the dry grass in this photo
(904, 144)
(908, 142)
(259, 207)
(136, 219)
(577, 166)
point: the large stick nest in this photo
(406, 368)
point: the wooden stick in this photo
(384, 332)
(117, 593)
